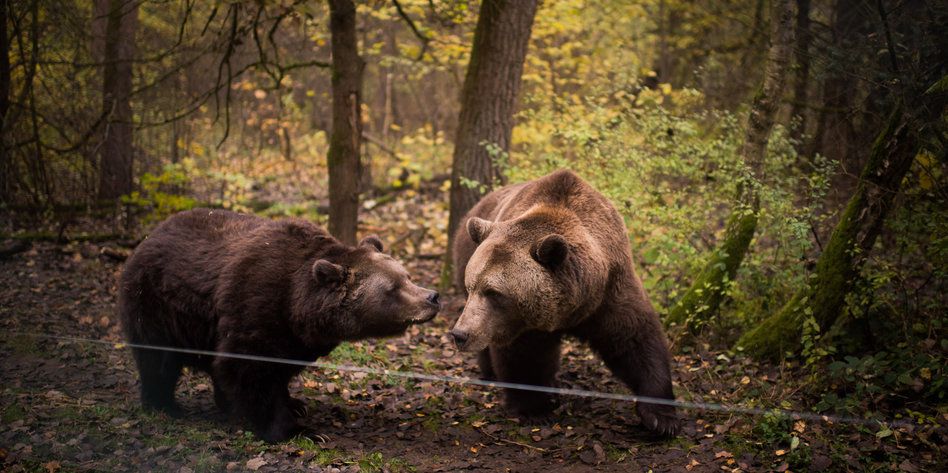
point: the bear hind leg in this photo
(533, 358)
(159, 372)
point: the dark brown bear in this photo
(548, 258)
(221, 281)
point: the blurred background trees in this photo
(125, 111)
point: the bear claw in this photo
(660, 419)
(297, 407)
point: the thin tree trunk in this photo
(488, 100)
(6, 191)
(802, 76)
(706, 293)
(387, 74)
(834, 134)
(852, 239)
(344, 149)
(115, 167)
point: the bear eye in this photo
(492, 293)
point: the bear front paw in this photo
(297, 407)
(278, 431)
(530, 404)
(662, 420)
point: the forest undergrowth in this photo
(73, 406)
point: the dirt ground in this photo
(74, 406)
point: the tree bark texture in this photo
(848, 247)
(343, 159)
(834, 136)
(115, 165)
(488, 100)
(6, 166)
(801, 79)
(706, 293)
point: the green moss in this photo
(824, 296)
(704, 297)
(776, 335)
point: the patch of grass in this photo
(206, 462)
(375, 462)
(350, 353)
(24, 345)
(616, 454)
(12, 413)
(303, 442)
(432, 424)
(200, 434)
(160, 440)
(248, 442)
(328, 456)
(67, 413)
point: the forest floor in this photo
(74, 406)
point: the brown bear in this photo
(221, 281)
(547, 258)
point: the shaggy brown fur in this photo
(551, 257)
(221, 281)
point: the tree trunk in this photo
(115, 167)
(344, 165)
(852, 239)
(487, 103)
(802, 76)
(706, 293)
(6, 192)
(834, 134)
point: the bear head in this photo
(364, 293)
(535, 272)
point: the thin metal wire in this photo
(463, 380)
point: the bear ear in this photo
(478, 229)
(550, 251)
(326, 273)
(372, 241)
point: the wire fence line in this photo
(463, 380)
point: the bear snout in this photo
(435, 299)
(460, 338)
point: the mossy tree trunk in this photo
(849, 245)
(706, 293)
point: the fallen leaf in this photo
(723, 454)
(254, 464)
(908, 466)
(52, 467)
(780, 452)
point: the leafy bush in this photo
(162, 194)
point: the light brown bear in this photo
(547, 258)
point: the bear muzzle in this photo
(433, 306)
